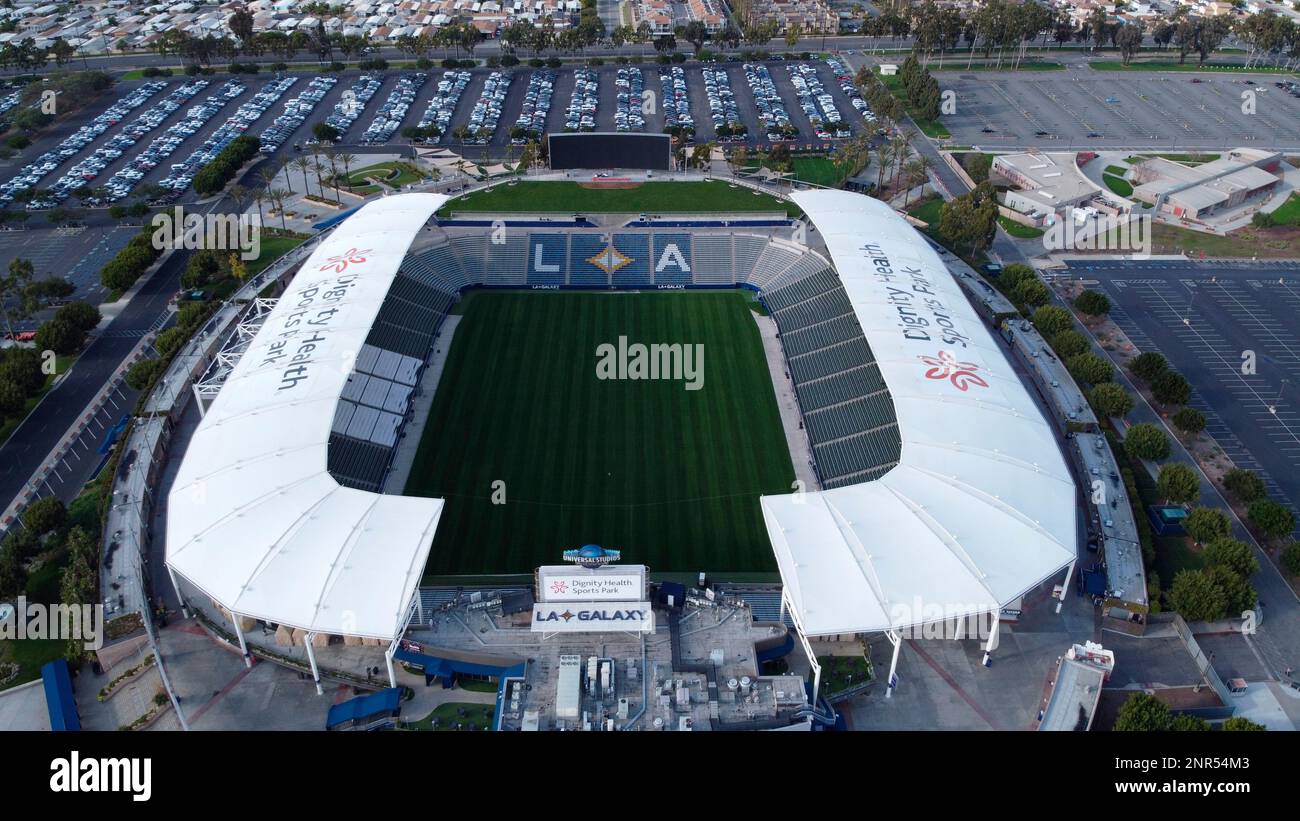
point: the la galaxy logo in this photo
(610, 260)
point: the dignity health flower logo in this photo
(559, 587)
(945, 366)
(340, 262)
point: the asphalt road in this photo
(1229, 310)
(1277, 641)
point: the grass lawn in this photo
(842, 672)
(1025, 65)
(1185, 159)
(1173, 65)
(273, 247)
(1116, 170)
(30, 654)
(448, 716)
(931, 128)
(394, 174)
(927, 210)
(1175, 553)
(476, 686)
(815, 170)
(652, 197)
(1019, 231)
(1289, 212)
(61, 364)
(669, 476)
(1244, 242)
(138, 74)
(818, 171)
(1119, 185)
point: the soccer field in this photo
(669, 476)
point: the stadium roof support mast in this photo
(807, 647)
(209, 385)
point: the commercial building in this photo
(1195, 192)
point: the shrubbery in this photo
(214, 176)
(121, 272)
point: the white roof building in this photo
(980, 508)
(255, 520)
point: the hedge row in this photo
(214, 176)
(123, 270)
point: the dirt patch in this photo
(619, 184)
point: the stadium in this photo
(421, 402)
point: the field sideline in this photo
(669, 476)
(652, 197)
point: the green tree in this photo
(1146, 441)
(1205, 524)
(1236, 590)
(1089, 368)
(1111, 399)
(1178, 483)
(1242, 724)
(1197, 597)
(1050, 320)
(1092, 303)
(60, 336)
(1291, 558)
(1143, 713)
(1271, 517)
(1233, 554)
(1069, 343)
(44, 515)
(1171, 388)
(1030, 292)
(1245, 485)
(81, 315)
(1189, 420)
(1188, 723)
(140, 374)
(1147, 366)
(13, 399)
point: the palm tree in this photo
(288, 183)
(277, 196)
(240, 195)
(259, 196)
(901, 145)
(334, 173)
(347, 160)
(303, 165)
(267, 176)
(316, 165)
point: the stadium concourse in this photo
(940, 482)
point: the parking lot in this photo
(1204, 318)
(160, 132)
(1076, 109)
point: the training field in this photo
(669, 476)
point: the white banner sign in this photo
(621, 617)
(569, 584)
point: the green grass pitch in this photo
(669, 476)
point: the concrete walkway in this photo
(422, 401)
(786, 402)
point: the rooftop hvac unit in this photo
(658, 723)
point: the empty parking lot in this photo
(1057, 110)
(1210, 321)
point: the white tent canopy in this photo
(255, 521)
(980, 508)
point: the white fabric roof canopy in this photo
(980, 508)
(255, 520)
